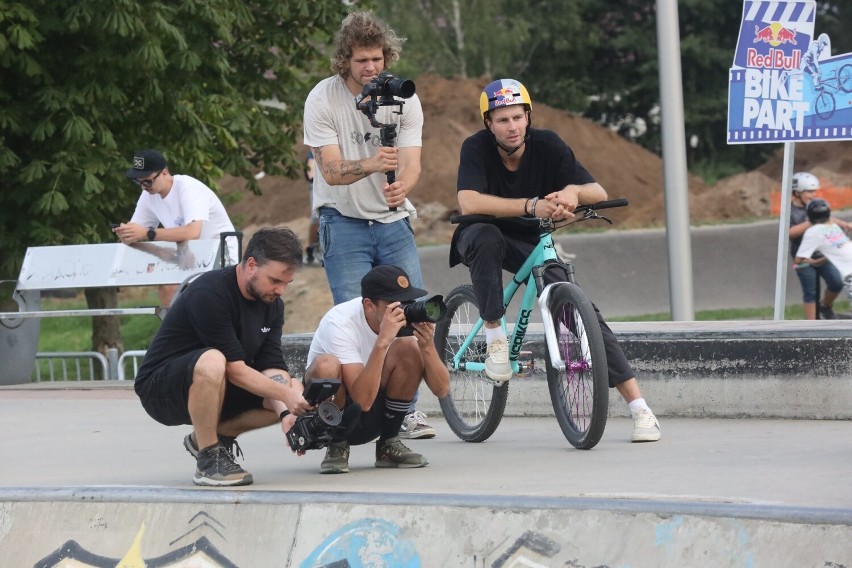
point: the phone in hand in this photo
(114, 226)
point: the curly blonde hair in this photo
(363, 29)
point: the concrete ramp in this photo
(135, 527)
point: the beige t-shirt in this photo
(332, 119)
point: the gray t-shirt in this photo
(332, 119)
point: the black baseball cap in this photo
(145, 162)
(391, 283)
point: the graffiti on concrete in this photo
(201, 552)
(531, 550)
(372, 543)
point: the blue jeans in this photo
(808, 278)
(352, 247)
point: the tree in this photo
(85, 82)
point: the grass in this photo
(75, 333)
(793, 312)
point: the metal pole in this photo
(784, 232)
(674, 162)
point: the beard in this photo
(251, 286)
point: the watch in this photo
(152, 233)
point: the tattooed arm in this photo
(337, 171)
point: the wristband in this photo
(526, 202)
(283, 414)
(534, 202)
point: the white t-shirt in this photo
(332, 119)
(189, 200)
(832, 242)
(344, 333)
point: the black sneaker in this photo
(216, 467)
(309, 255)
(228, 442)
(827, 312)
(393, 453)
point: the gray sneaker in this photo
(336, 458)
(216, 467)
(414, 426)
(393, 453)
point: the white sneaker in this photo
(497, 366)
(414, 426)
(645, 426)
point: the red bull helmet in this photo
(501, 93)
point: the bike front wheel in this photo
(579, 391)
(474, 407)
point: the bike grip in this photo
(621, 202)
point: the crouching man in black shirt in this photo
(216, 361)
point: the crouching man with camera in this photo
(380, 356)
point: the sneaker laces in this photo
(226, 463)
(337, 450)
(644, 418)
(498, 351)
(232, 446)
(417, 417)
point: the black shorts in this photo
(370, 423)
(164, 392)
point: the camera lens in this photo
(430, 309)
(400, 87)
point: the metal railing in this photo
(82, 365)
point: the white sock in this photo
(492, 333)
(638, 404)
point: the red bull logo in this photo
(504, 96)
(774, 34)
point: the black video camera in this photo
(313, 431)
(431, 309)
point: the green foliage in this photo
(86, 82)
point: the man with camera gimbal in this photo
(380, 346)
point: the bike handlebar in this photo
(476, 218)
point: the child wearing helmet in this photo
(509, 169)
(828, 238)
(804, 186)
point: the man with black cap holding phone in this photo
(185, 207)
(357, 342)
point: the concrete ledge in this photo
(235, 528)
(729, 369)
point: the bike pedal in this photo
(526, 364)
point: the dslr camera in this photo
(313, 431)
(430, 308)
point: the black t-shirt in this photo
(548, 164)
(212, 312)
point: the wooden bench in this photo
(53, 268)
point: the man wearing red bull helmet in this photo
(510, 169)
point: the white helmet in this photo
(804, 181)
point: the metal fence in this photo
(86, 366)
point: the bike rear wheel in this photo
(580, 391)
(824, 105)
(475, 405)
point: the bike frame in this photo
(543, 252)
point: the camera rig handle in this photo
(387, 132)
